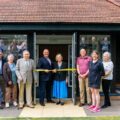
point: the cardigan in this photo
(60, 76)
(7, 74)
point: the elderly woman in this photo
(60, 80)
(96, 71)
(11, 81)
(106, 81)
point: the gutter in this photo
(114, 2)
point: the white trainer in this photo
(7, 105)
(15, 103)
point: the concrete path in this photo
(53, 110)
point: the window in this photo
(14, 44)
(101, 43)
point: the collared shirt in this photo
(26, 63)
(48, 59)
(83, 63)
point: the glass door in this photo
(36, 56)
(72, 64)
(74, 54)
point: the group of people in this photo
(19, 76)
(91, 73)
(53, 83)
(15, 77)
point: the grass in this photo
(80, 118)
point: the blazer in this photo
(43, 63)
(96, 71)
(60, 76)
(25, 73)
(3, 62)
(7, 74)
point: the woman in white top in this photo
(106, 81)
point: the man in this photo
(83, 70)
(45, 77)
(24, 72)
(2, 82)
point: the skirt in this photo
(60, 89)
(94, 84)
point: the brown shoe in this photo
(81, 104)
(30, 106)
(20, 107)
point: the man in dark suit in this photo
(45, 77)
(2, 82)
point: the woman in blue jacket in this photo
(96, 71)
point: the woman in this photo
(60, 80)
(96, 71)
(107, 79)
(11, 81)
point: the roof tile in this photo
(78, 11)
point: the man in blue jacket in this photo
(45, 77)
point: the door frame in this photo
(74, 54)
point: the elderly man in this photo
(24, 71)
(83, 70)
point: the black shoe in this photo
(3, 102)
(42, 103)
(104, 106)
(50, 101)
(57, 103)
(109, 104)
(1, 107)
(62, 103)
